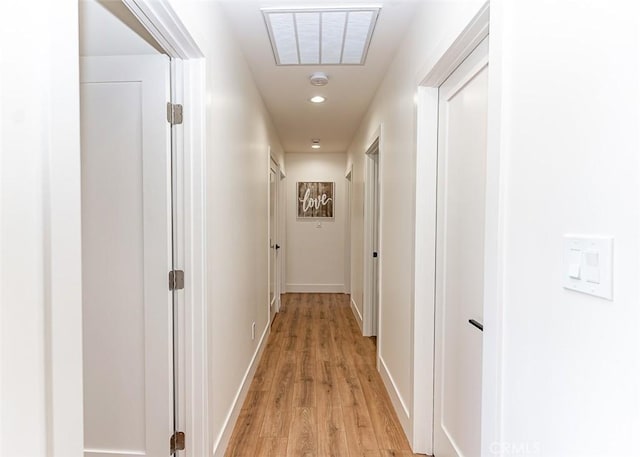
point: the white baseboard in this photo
(316, 288)
(220, 446)
(356, 313)
(396, 399)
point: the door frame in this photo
(282, 233)
(423, 344)
(348, 177)
(371, 314)
(274, 166)
(188, 89)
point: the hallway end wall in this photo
(239, 136)
(315, 254)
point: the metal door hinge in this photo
(176, 280)
(174, 113)
(176, 443)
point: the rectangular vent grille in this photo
(334, 36)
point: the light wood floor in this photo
(316, 391)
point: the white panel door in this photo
(126, 242)
(460, 257)
(274, 294)
(372, 241)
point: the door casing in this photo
(275, 242)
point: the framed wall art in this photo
(315, 199)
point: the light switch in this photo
(592, 266)
(574, 270)
(588, 265)
(575, 260)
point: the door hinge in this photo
(174, 113)
(176, 280)
(176, 443)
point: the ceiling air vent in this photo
(331, 36)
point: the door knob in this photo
(277, 246)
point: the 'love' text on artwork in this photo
(310, 202)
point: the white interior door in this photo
(460, 257)
(375, 236)
(126, 241)
(274, 293)
(372, 240)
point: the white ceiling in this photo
(286, 89)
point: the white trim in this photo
(165, 27)
(349, 171)
(222, 441)
(467, 78)
(424, 271)
(476, 31)
(495, 235)
(282, 229)
(348, 177)
(356, 313)
(196, 359)
(315, 288)
(421, 435)
(394, 394)
(61, 230)
(182, 329)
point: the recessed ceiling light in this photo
(317, 99)
(325, 36)
(315, 144)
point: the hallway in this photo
(316, 391)
(506, 318)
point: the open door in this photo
(127, 256)
(274, 246)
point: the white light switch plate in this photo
(588, 265)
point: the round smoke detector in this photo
(319, 79)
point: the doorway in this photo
(372, 240)
(138, 231)
(460, 256)
(274, 241)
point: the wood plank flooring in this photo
(316, 391)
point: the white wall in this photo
(40, 276)
(238, 136)
(570, 102)
(315, 254)
(435, 26)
